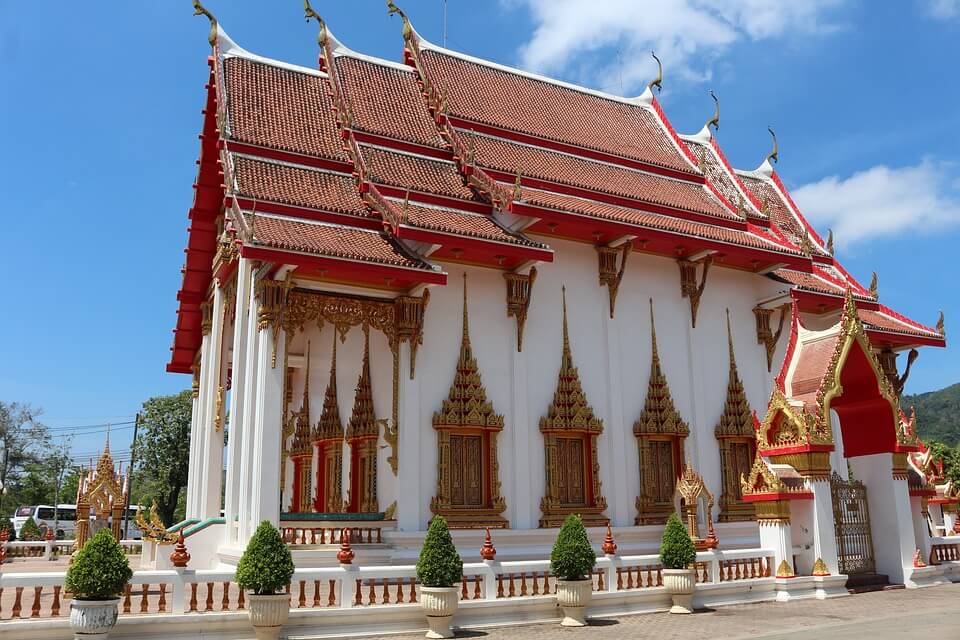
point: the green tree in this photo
(162, 454)
(30, 530)
(23, 440)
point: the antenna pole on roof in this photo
(444, 24)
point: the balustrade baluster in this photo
(17, 605)
(208, 605)
(126, 598)
(649, 576)
(463, 587)
(536, 584)
(476, 587)
(316, 593)
(240, 600)
(193, 596)
(413, 590)
(332, 596)
(302, 597)
(163, 597)
(372, 592)
(523, 583)
(600, 580)
(379, 536)
(323, 537)
(659, 576)
(144, 602)
(630, 577)
(35, 609)
(313, 536)
(55, 607)
(499, 585)
(399, 596)
(511, 592)
(619, 579)
(706, 574)
(546, 583)
(225, 600)
(386, 591)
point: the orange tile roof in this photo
(415, 172)
(280, 108)
(298, 186)
(882, 321)
(573, 204)
(386, 101)
(331, 240)
(514, 101)
(530, 161)
(446, 220)
(722, 178)
(778, 210)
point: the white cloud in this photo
(686, 34)
(883, 201)
(943, 9)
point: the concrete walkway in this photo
(917, 613)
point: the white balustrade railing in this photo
(183, 591)
(944, 549)
(50, 549)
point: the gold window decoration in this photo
(363, 430)
(328, 440)
(660, 434)
(468, 472)
(301, 451)
(737, 440)
(570, 431)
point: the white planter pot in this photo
(574, 596)
(268, 614)
(679, 584)
(439, 603)
(93, 619)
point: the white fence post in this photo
(611, 571)
(347, 580)
(179, 598)
(490, 579)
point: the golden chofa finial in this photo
(941, 326)
(392, 8)
(874, 285)
(830, 241)
(310, 14)
(774, 154)
(715, 120)
(658, 81)
(200, 10)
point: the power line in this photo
(91, 426)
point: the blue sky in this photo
(100, 111)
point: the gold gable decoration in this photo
(736, 438)
(796, 428)
(691, 490)
(760, 480)
(363, 420)
(467, 415)
(659, 423)
(301, 445)
(328, 436)
(363, 431)
(568, 416)
(329, 427)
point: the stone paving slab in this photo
(915, 613)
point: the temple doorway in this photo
(851, 519)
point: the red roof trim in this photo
(673, 134)
(434, 199)
(400, 145)
(280, 256)
(268, 206)
(751, 196)
(445, 238)
(288, 156)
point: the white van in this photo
(43, 515)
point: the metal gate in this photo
(851, 520)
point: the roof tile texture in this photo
(468, 224)
(496, 153)
(513, 101)
(281, 109)
(415, 172)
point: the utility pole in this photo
(133, 456)
(444, 24)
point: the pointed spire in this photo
(569, 410)
(466, 404)
(363, 421)
(659, 415)
(329, 427)
(301, 434)
(736, 419)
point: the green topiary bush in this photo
(29, 530)
(439, 564)
(100, 570)
(266, 565)
(7, 525)
(572, 557)
(676, 547)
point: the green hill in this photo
(938, 414)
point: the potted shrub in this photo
(264, 571)
(97, 576)
(439, 571)
(677, 553)
(571, 561)
(29, 530)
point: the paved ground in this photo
(916, 613)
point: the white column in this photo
(211, 464)
(193, 476)
(937, 519)
(824, 532)
(890, 521)
(523, 433)
(240, 338)
(618, 494)
(409, 433)
(949, 520)
(265, 472)
(195, 485)
(254, 339)
(779, 537)
(921, 531)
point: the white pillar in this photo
(254, 339)
(936, 519)
(265, 473)
(195, 485)
(619, 495)
(523, 432)
(950, 515)
(410, 492)
(824, 532)
(921, 531)
(890, 521)
(241, 332)
(211, 464)
(779, 537)
(193, 476)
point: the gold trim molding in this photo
(519, 293)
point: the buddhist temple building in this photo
(439, 285)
